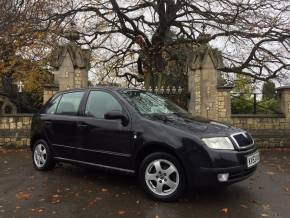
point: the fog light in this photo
(223, 177)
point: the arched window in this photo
(8, 109)
(1, 109)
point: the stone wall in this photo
(261, 122)
(269, 138)
(15, 130)
(267, 130)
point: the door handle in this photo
(81, 125)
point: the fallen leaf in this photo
(40, 210)
(22, 196)
(104, 190)
(121, 212)
(224, 210)
(56, 196)
(244, 206)
(287, 189)
(55, 201)
(264, 215)
(270, 173)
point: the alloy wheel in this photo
(162, 177)
(40, 155)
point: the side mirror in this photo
(117, 115)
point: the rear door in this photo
(61, 125)
(105, 142)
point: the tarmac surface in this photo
(73, 191)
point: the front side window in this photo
(99, 103)
(51, 107)
(69, 103)
(148, 103)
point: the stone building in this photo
(70, 63)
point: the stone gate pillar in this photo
(208, 96)
(284, 102)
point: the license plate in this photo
(253, 159)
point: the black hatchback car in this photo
(135, 131)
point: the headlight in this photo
(223, 143)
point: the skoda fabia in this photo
(137, 132)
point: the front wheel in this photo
(42, 156)
(162, 176)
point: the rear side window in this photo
(70, 103)
(99, 103)
(51, 107)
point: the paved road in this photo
(71, 191)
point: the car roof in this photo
(112, 88)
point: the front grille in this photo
(243, 140)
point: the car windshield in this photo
(148, 103)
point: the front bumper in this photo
(217, 162)
(236, 174)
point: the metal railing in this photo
(254, 103)
(178, 95)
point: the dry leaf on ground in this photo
(225, 210)
(121, 212)
(23, 196)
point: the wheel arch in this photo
(152, 148)
(35, 138)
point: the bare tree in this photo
(253, 35)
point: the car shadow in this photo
(123, 182)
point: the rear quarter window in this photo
(52, 105)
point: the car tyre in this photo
(42, 157)
(162, 177)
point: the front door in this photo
(104, 142)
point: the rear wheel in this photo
(42, 156)
(162, 176)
